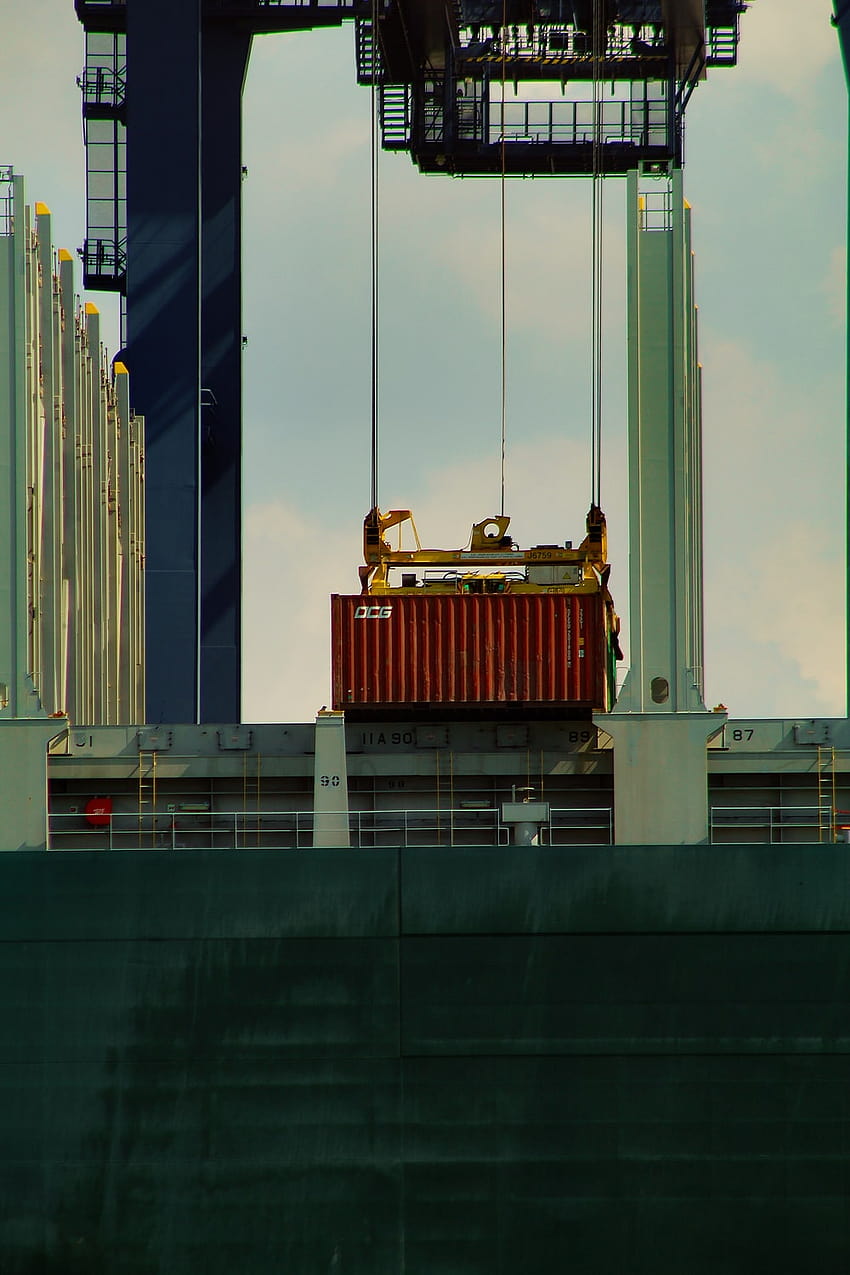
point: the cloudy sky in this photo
(766, 176)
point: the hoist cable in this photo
(598, 52)
(503, 275)
(504, 359)
(597, 343)
(374, 148)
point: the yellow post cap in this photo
(41, 210)
(119, 368)
(91, 308)
(64, 255)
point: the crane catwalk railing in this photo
(638, 123)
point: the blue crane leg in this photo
(164, 337)
(225, 60)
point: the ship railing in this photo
(768, 825)
(272, 829)
(294, 829)
(571, 826)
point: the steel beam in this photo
(184, 349)
(225, 56)
(164, 333)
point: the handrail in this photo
(778, 821)
(293, 829)
(536, 120)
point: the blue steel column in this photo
(164, 340)
(225, 60)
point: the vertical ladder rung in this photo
(826, 792)
(147, 792)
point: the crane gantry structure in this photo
(162, 90)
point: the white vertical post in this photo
(330, 781)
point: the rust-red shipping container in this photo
(472, 649)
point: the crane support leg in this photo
(225, 61)
(660, 726)
(665, 462)
(164, 336)
(184, 349)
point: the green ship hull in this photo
(429, 1061)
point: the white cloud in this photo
(292, 564)
(41, 53)
(286, 166)
(786, 45)
(774, 537)
(547, 260)
(777, 646)
(794, 146)
(547, 495)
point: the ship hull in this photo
(425, 1061)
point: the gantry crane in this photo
(452, 83)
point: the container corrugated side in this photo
(470, 649)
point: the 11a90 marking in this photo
(372, 613)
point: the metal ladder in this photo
(368, 58)
(394, 100)
(395, 116)
(147, 793)
(826, 793)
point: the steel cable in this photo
(374, 147)
(503, 275)
(598, 53)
